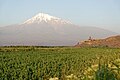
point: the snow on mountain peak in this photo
(42, 17)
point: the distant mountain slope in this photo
(113, 41)
(46, 30)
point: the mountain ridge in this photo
(47, 31)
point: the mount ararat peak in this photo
(46, 18)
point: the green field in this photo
(64, 63)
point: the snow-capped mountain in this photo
(42, 17)
(46, 30)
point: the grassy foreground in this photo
(59, 63)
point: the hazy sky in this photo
(98, 13)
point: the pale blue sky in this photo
(97, 13)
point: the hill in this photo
(113, 41)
